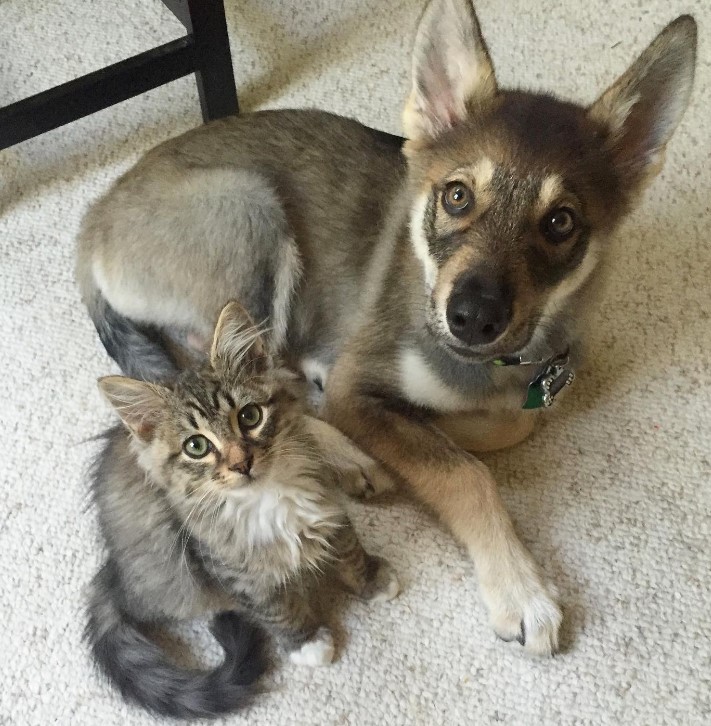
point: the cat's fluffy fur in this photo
(205, 512)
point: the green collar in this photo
(554, 377)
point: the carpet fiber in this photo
(612, 494)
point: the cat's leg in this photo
(289, 617)
(370, 577)
(359, 474)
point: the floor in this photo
(613, 494)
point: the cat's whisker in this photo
(184, 525)
(187, 533)
(215, 510)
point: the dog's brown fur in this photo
(358, 285)
(457, 487)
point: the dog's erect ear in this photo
(139, 404)
(643, 108)
(237, 344)
(451, 69)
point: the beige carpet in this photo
(613, 494)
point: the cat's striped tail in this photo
(140, 670)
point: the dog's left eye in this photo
(456, 198)
(559, 225)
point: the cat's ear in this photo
(238, 344)
(641, 110)
(451, 70)
(139, 404)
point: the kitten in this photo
(217, 497)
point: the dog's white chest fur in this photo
(422, 386)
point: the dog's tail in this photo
(143, 674)
(138, 349)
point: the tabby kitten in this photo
(217, 497)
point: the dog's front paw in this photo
(525, 611)
(318, 651)
(367, 482)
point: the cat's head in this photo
(220, 428)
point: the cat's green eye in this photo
(249, 416)
(197, 447)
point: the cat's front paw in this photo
(384, 584)
(318, 651)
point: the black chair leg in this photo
(204, 51)
(214, 74)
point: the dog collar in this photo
(544, 388)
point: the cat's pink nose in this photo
(244, 466)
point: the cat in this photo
(218, 496)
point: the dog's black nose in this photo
(479, 310)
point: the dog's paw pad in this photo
(377, 481)
(366, 483)
(367, 487)
(533, 622)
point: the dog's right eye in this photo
(456, 198)
(559, 225)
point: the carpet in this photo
(612, 494)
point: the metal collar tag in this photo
(543, 389)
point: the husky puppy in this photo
(407, 278)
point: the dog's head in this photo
(514, 194)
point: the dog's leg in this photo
(462, 492)
(488, 431)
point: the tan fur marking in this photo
(482, 84)
(551, 190)
(462, 260)
(463, 494)
(483, 431)
(482, 172)
(478, 178)
(419, 242)
(572, 283)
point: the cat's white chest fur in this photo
(280, 514)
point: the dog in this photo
(411, 280)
